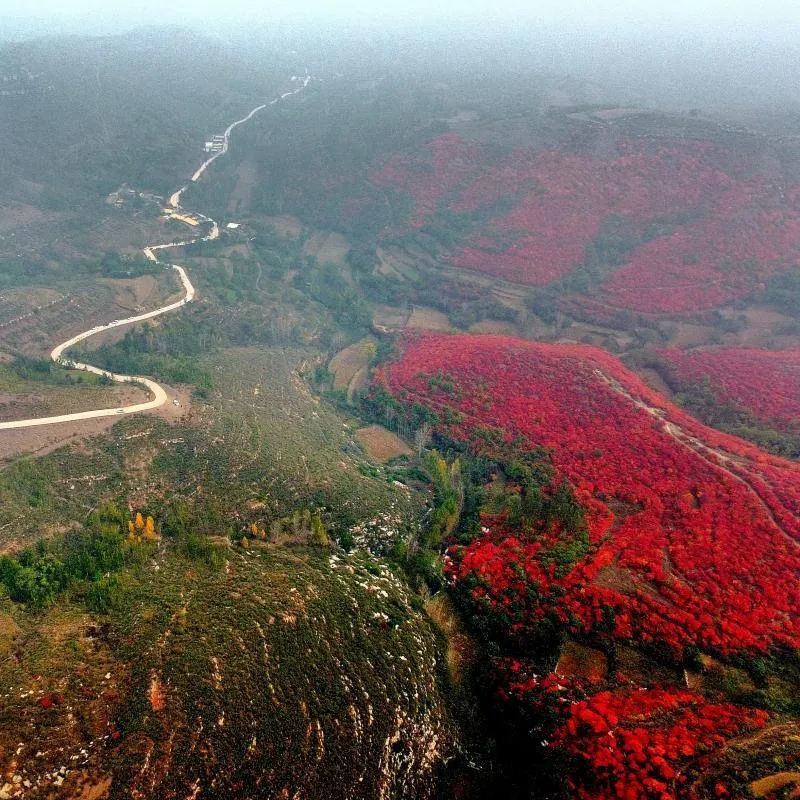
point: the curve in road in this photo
(159, 395)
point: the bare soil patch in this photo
(327, 247)
(42, 440)
(285, 224)
(346, 364)
(424, 318)
(381, 444)
(583, 662)
(49, 401)
(689, 334)
(773, 783)
(655, 381)
(17, 215)
(172, 411)
(246, 179)
(359, 382)
(390, 317)
(494, 326)
(461, 649)
(133, 293)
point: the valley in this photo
(461, 458)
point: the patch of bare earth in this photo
(17, 215)
(327, 247)
(389, 317)
(655, 381)
(494, 326)
(246, 180)
(284, 224)
(46, 438)
(133, 293)
(579, 661)
(424, 318)
(766, 787)
(55, 400)
(155, 694)
(347, 363)
(381, 444)
(462, 650)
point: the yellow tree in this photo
(139, 521)
(149, 528)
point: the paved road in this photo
(159, 396)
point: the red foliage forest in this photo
(765, 383)
(452, 160)
(720, 230)
(695, 534)
(694, 541)
(635, 742)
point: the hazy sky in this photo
(749, 18)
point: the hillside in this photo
(749, 391)
(654, 224)
(93, 113)
(477, 470)
(684, 543)
(295, 669)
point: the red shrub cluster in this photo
(765, 383)
(49, 700)
(635, 743)
(695, 534)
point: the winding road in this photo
(158, 393)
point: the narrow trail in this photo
(158, 393)
(716, 459)
(710, 455)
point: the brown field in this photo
(496, 326)
(19, 305)
(327, 247)
(653, 379)
(359, 382)
(762, 323)
(347, 363)
(401, 262)
(773, 783)
(247, 177)
(596, 334)
(17, 215)
(461, 649)
(390, 317)
(35, 401)
(424, 318)
(381, 444)
(284, 224)
(510, 295)
(42, 440)
(133, 293)
(582, 662)
(689, 334)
